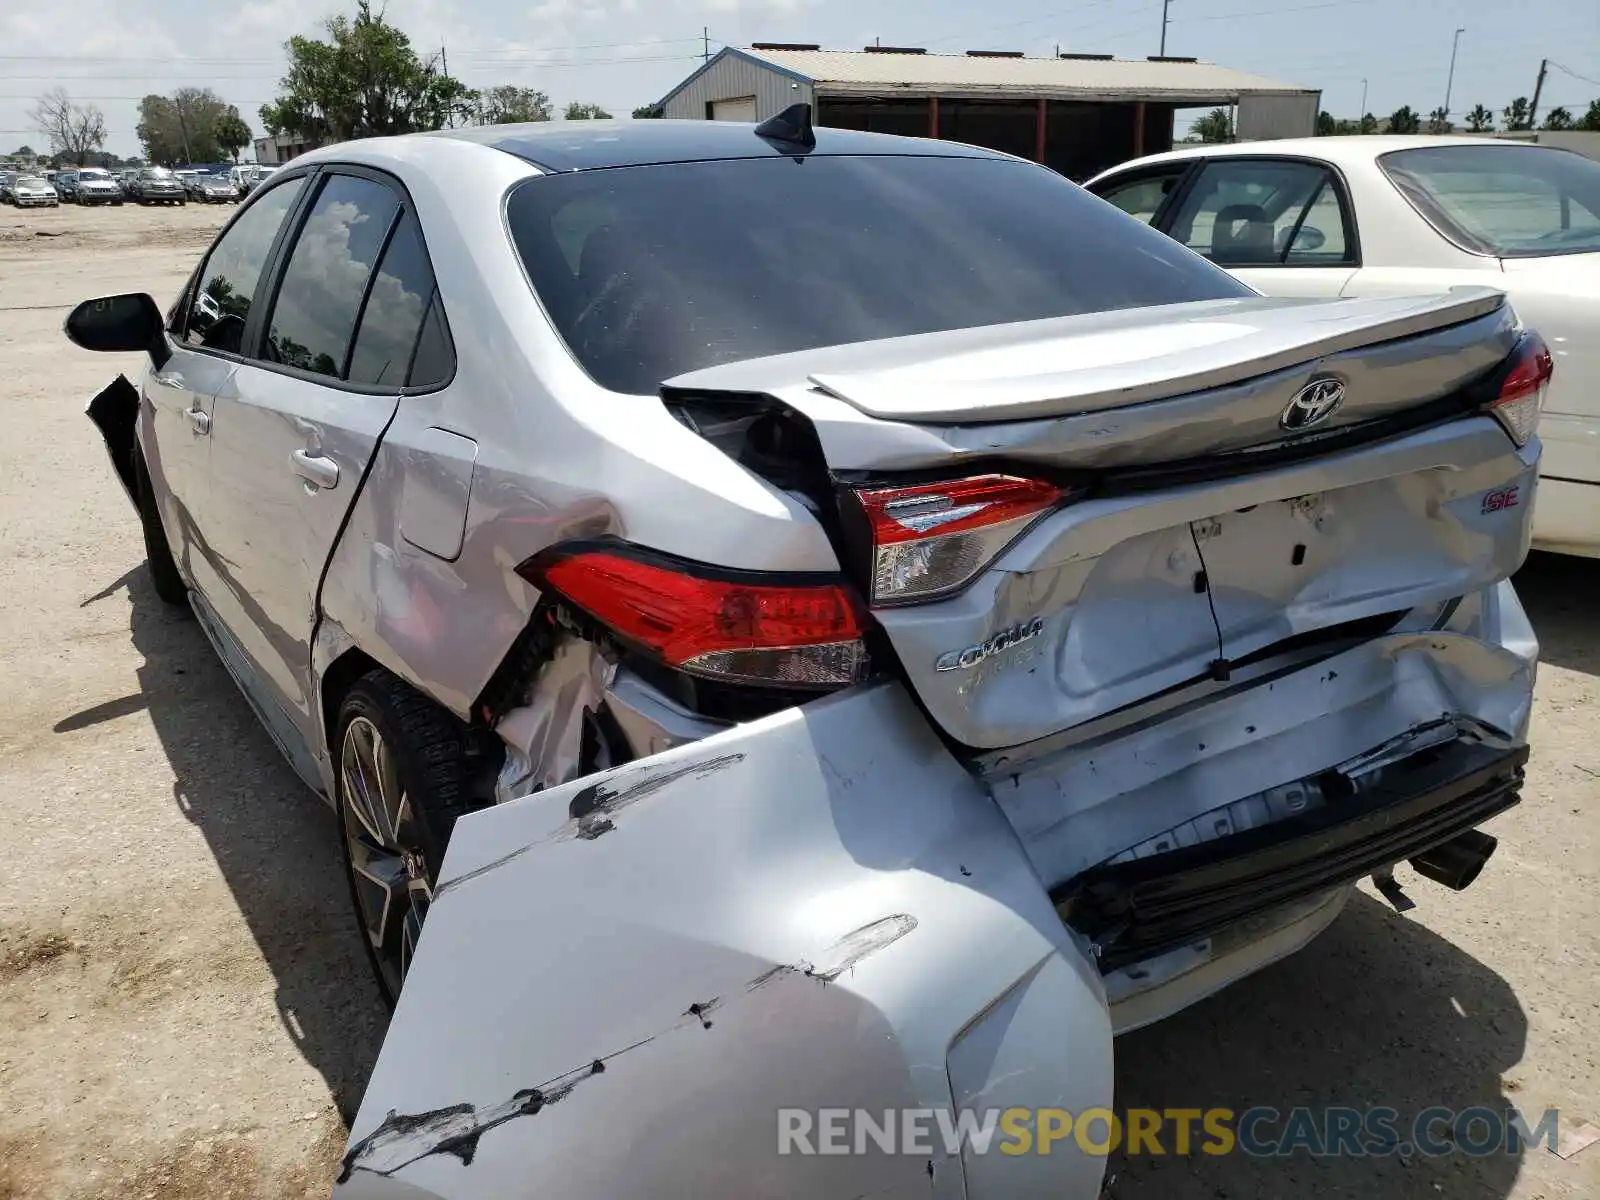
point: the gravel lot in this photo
(184, 1005)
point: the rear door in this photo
(1283, 225)
(206, 334)
(297, 425)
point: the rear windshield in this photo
(648, 272)
(1510, 201)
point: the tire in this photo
(413, 769)
(169, 585)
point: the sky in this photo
(625, 53)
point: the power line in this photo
(1574, 74)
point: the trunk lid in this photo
(1201, 531)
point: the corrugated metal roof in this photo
(841, 72)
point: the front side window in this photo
(1509, 201)
(319, 300)
(227, 285)
(1245, 212)
(648, 272)
(1140, 197)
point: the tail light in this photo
(934, 539)
(1523, 389)
(739, 627)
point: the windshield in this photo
(93, 173)
(30, 181)
(648, 272)
(155, 173)
(1510, 201)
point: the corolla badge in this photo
(1313, 404)
(971, 656)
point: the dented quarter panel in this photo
(557, 456)
(622, 979)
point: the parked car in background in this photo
(125, 178)
(156, 185)
(7, 178)
(925, 621)
(31, 191)
(186, 177)
(1389, 216)
(215, 189)
(89, 185)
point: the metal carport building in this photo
(1077, 113)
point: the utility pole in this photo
(444, 69)
(1544, 65)
(705, 43)
(1450, 80)
(1362, 115)
(1163, 50)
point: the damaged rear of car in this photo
(912, 622)
(1153, 628)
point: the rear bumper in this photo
(1135, 909)
(1566, 518)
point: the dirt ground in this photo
(184, 1011)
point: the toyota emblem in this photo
(1313, 404)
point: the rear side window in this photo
(325, 280)
(648, 272)
(1511, 201)
(1246, 212)
(395, 309)
(221, 303)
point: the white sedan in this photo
(1386, 216)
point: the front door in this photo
(297, 425)
(205, 337)
(1282, 225)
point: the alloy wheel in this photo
(383, 841)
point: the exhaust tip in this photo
(1458, 862)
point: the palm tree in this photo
(1480, 120)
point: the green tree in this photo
(1591, 119)
(364, 81)
(509, 105)
(1557, 118)
(1516, 114)
(1326, 125)
(1404, 120)
(24, 151)
(646, 112)
(1215, 126)
(586, 112)
(231, 132)
(182, 127)
(1480, 119)
(1439, 121)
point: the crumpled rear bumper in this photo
(817, 910)
(623, 980)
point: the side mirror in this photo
(125, 323)
(1310, 238)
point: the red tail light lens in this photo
(798, 635)
(934, 539)
(1522, 394)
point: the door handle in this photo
(174, 380)
(200, 419)
(316, 470)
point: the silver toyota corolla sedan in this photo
(870, 620)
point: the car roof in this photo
(1343, 150)
(592, 145)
